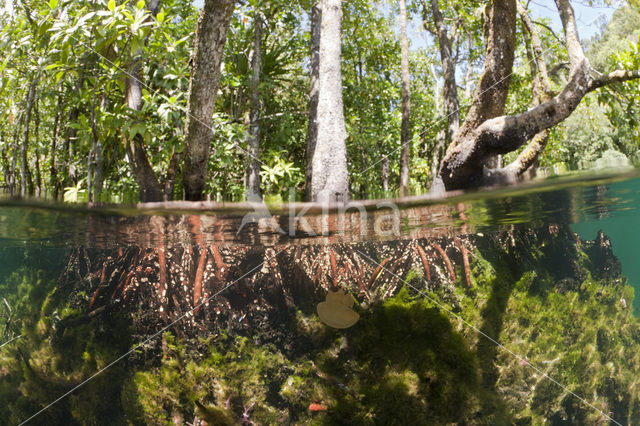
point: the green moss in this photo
(406, 361)
(55, 354)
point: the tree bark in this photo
(14, 155)
(528, 159)
(329, 177)
(148, 183)
(482, 135)
(38, 188)
(441, 137)
(252, 174)
(72, 134)
(450, 88)
(146, 178)
(53, 167)
(170, 178)
(493, 86)
(314, 89)
(385, 174)
(24, 165)
(405, 137)
(95, 166)
(4, 158)
(211, 36)
(469, 74)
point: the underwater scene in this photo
(507, 307)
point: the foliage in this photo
(606, 120)
(79, 55)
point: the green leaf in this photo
(53, 4)
(111, 5)
(141, 4)
(160, 16)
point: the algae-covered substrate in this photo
(542, 331)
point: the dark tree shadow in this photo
(404, 363)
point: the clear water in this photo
(499, 307)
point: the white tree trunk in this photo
(329, 177)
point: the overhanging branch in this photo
(618, 76)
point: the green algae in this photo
(57, 352)
(410, 359)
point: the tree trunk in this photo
(314, 74)
(24, 165)
(252, 174)
(528, 159)
(468, 80)
(95, 167)
(94, 142)
(148, 183)
(98, 172)
(14, 155)
(4, 157)
(211, 36)
(493, 87)
(53, 168)
(484, 133)
(170, 179)
(450, 89)
(146, 178)
(72, 134)
(329, 176)
(441, 137)
(37, 153)
(385, 174)
(405, 137)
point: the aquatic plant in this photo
(259, 353)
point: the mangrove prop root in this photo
(465, 260)
(425, 262)
(377, 272)
(197, 283)
(167, 282)
(445, 258)
(334, 271)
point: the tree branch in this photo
(618, 76)
(557, 67)
(548, 28)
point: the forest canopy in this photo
(120, 101)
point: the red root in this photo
(425, 262)
(334, 272)
(197, 285)
(99, 289)
(104, 267)
(162, 287)
(447, 261)
(94, 298)
(377, 271)
(119, 286)
(220, 265)
(465, 260)
(125, 284)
